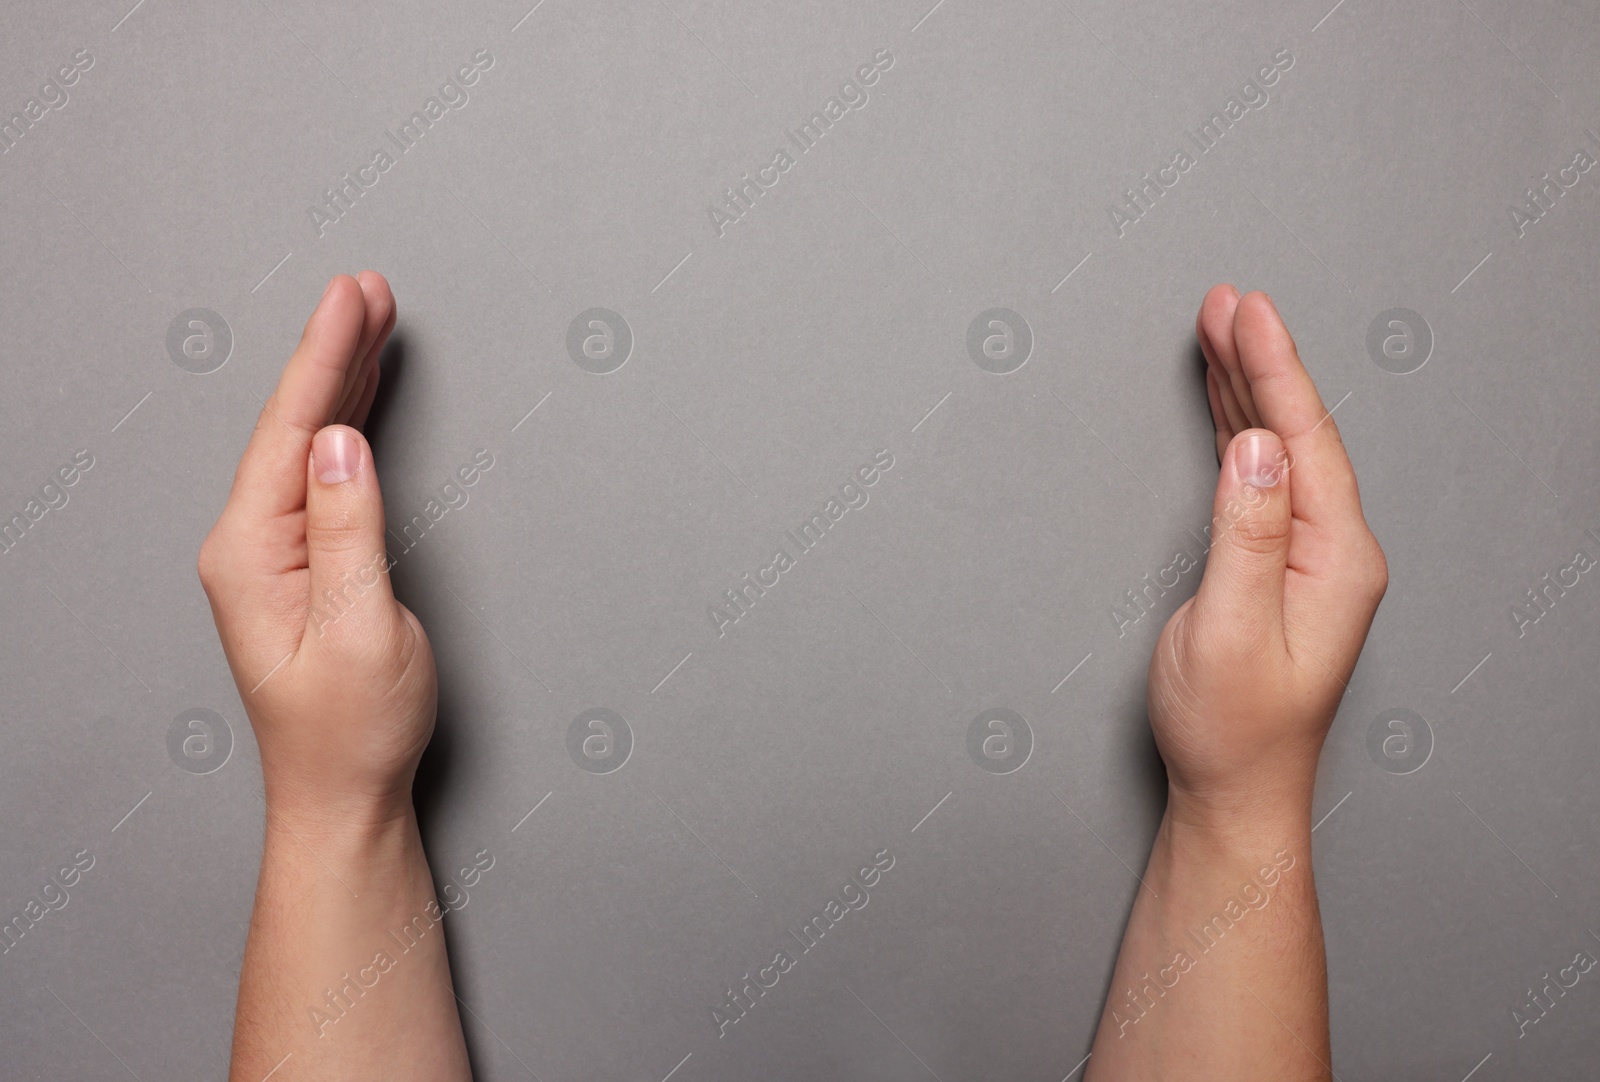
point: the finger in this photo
(1241, 593)
(1230, 405)
(271, 478)
(363, 403)
(1325, 491)
(358, 402)
(374, 333)
(344, 536)
(1219, 417)
(347, 403)
(1214, 328)
(380, 311)
(1227, 401)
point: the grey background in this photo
(768, 363)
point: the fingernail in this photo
(336, 454)
(329, 289)
(1256, 460)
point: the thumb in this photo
(1242, 590)
(345, 534)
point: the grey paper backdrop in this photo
(1371, 168)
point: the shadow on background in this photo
(436, 772)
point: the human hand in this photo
(1248, 673)
(336, 676)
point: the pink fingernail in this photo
(1255, 460)
(336, 455)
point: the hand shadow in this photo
(1138, 760)
(433, 772)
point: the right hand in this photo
(336, 676)
(1247, 674)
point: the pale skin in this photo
(338, 681)
(341, 693)
(1244, 684)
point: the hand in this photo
(1243, 686)
(336, 676)
(339, 683)
(1248, 673)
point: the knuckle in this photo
(212, 563)
(1377, 571)
(1367, 569)
(339, 530)
(1258, 534)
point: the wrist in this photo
(333, 852)
(1239, 825)
(347, 818)
(1204, 862)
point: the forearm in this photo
(345, 970)
(1222, 973)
